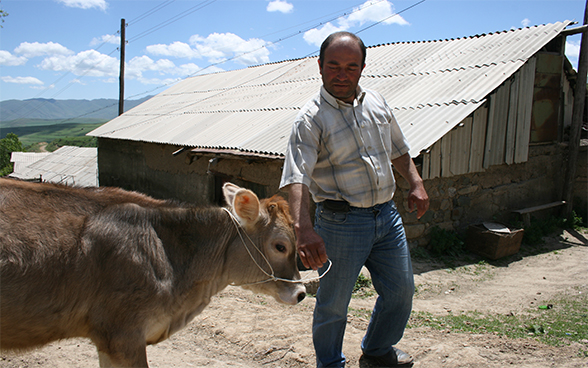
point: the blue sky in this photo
(68, 49)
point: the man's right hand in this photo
(311, 249)
(310, 245)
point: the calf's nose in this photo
(301, 296)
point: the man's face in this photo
(341, 68)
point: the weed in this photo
(445, 243)
(565, 322)
(363, 287)
(361, 312)
(538, 229)
(420, 253)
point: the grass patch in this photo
(363, 287)
(564, 321)
(49, 133)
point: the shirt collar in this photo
(336, 103)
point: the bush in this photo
(8, 145)
(445, 243)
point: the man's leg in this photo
(391, 271)
(343, 235)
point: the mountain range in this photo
(14, 111)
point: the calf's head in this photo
(264, 257)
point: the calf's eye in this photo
(281, 248)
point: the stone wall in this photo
(460, 201)
(154, 169)
(456, 202)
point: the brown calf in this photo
(127, 270)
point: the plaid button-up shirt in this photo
(344, 151)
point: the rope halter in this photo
(271, 276)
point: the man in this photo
(342, 146)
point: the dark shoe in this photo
(395, 358)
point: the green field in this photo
(73, 133)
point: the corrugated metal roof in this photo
(67, 165)
(431, 86)
(23, 159)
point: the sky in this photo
(70, 49)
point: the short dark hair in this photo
(333, 36)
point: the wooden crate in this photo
(493, 244)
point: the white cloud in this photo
(369, 11)
(85, 4)
(316, 36)
(43, 88)
(22, 80)
(375, 12)
(280, 6)
(573, 52)
(7, 59)
(525, 22)
(34, 49)
(86, 63)
(573, 49)
(140, 64)
(111, 39)
(218, 47)
(176, 50)
(77, 81)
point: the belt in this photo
(336, 206)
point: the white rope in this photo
(272, 276)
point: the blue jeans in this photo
(373, 237)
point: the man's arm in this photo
(417, 195)
(310, 245)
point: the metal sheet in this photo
(431, 86)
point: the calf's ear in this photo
(244, 203)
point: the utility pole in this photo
(121, 93)
(577, 119)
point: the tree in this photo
(3, 14)
(8, 145)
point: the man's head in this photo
(341, 61)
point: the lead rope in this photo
(272, 276)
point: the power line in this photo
(172, 19)
(209, 2)
(275, 42)
(269, 44)
(391, 16)
(150, 12)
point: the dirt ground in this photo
(240, 329)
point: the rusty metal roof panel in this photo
(431, 86)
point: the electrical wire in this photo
(150, 12)
(172, 20)
(209, 2)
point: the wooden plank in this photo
(478, 137)
(511, 126)
(461, 141)
(526, 212)
(540, 207)
(446, 156)
(489, 129)
(523, 134)
(426, 166)
(435, 168)
(497, 120)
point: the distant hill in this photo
(22, 112)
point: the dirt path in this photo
(243, 330)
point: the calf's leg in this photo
(122, 354)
